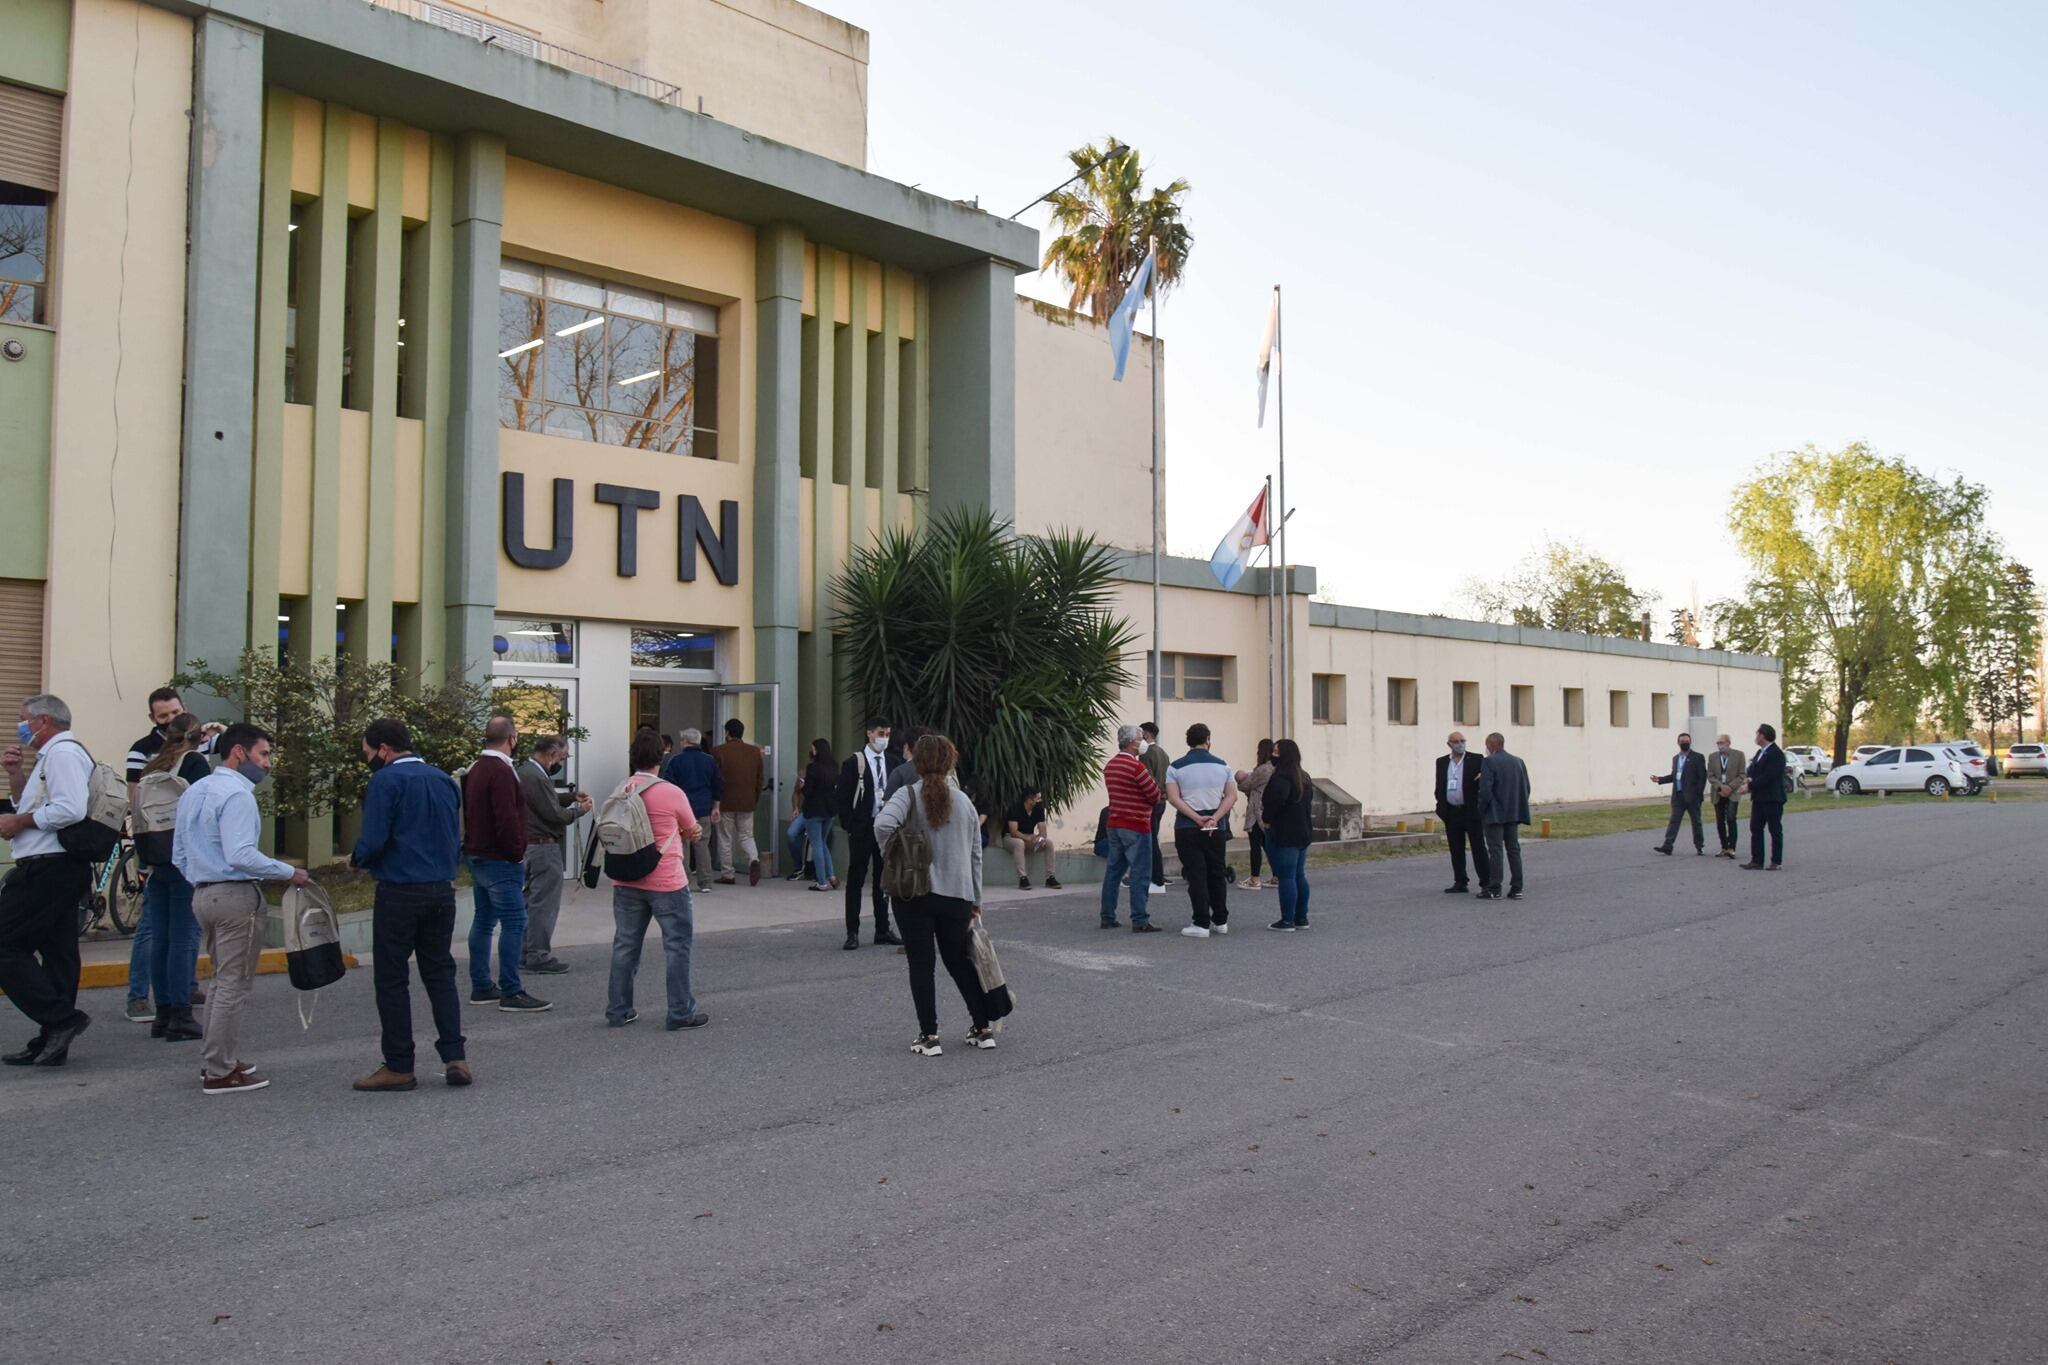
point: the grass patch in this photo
(351, 889)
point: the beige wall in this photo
(773, 67)
(119, 317)
(1084, 441)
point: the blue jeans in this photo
(818, 828)
(1290, 874)
(167, 938)
(499, 892)
(1130, 851)
(632, 908)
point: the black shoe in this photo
(1776, 867)
(183, 1028)
(697, 1020)
(1514, 895)
(1301, 926)
(1281, 925)
(629, 1017)
(198, 996)
(1148, 927)
(552, 966)
(1751, 867)
(1111, 924)
(1023, 883)
(57, 1042)
(484, 995)
(885, 939)
(27, 1056)
(1458, 889)
(852, 942)
(1702, 852)
(1664, 849)
(1053, 884)
(162, 1023)
(519, 1002)
(1487, 895)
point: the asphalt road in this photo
(1661, 1111)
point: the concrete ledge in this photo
(98, 974)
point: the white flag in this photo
(1266, 350)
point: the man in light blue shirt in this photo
(215, 846)
(1202, 788)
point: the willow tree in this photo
(1106, 223)
(1563, 586)
(1005, 644)
(1871, 581)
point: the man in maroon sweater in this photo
(494, 845)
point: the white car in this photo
(1863, 751)
(2026, 758)
(1919, 768)
(1809, 758)
(1976, 763)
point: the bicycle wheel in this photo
(124, 892)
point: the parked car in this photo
(1976, 764)
(1925, 768)
(1864, 751)
(1810, 758)
(2026, 758)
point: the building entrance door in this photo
(771, 814)
(671, 708)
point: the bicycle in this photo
(114, 894)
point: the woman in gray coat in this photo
(937, 925)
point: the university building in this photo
(569, 341)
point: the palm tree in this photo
(1008, 645)
(1106, 222)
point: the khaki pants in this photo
(230, 916)
(1022, 848)
(734, 827)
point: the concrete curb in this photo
(94, 975)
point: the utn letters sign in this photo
(695, 534)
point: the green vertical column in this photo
(818, 672)
(471, 585)
(973, 346)
(374, 358)
(266, 462)
(850, 449)
(429, 309)
(778, 456)
(885, 380)
(215, 478)
(917, 423)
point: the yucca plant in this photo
(1005, 644)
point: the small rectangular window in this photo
(1201, 677)
(1696, 705)
(517, 641)
(1575, 706)
(1326, 698)
(1400, 701)
(1660, 709)
(1465, 703)
(24, 254)
(1522, 704)
(1617, 708)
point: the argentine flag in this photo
(1234, 555)
(1126, 315)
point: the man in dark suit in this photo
(1688, 782)
(1725, 770)
(1457, 805)
(862, 780)
(1766, 801)
(1504, 809)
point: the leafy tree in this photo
(1869, 581)
(315, 710)
(1563, 586)
(2008, 681)
(1005, 644)
(1106, 223)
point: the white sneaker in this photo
(1158, 888)
(1194, 931)
(1220, 928)
(927, 1045)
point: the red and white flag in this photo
(1234, 555)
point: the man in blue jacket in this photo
(411, 843)
(694, 770)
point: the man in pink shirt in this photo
(663, 896)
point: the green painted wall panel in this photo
(25, 388)
(37, 46)
(778, 357)
(266, 469)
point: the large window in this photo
(600, 362)
(1194, 677)
(671, 648)
(24, 253)
(519, 641)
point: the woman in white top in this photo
(935, 806)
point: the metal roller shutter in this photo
(21, 642)
(31, 134)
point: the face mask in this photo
(26, 732)
(1722, 747)
(253, 773)
(375, 762)
(1144, 746)
(878, 745)
(1685, 746)
(1458, 747)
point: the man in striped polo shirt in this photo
(1132, 795)
(1201, 789)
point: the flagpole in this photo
(1272, 616)
(1285, 590)
(1158, 649)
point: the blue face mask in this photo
(26, 731)
(253, 773)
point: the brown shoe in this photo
(384, 1078)
(458, 1073)
(754, 873)
(236, 1082)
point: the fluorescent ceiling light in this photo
(543, 634)
(639, 378)
(522, 346)
(581, 326)
(284, 618)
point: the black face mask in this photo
(1685, 746)
(375, 762)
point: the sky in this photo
(1565, 270)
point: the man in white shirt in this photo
(39, 899)
(1457, 805)
(215, 847)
